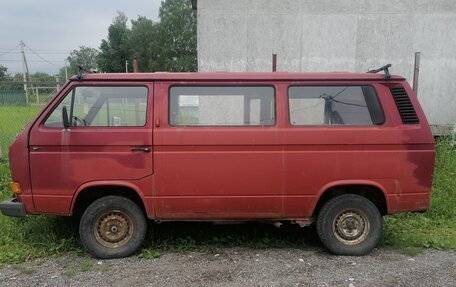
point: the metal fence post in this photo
(416, 72)
(274, 62)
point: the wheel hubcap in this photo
(351, 226)
(113, 229)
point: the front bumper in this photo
(12, 208)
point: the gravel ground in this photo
(241, 267)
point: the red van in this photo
(336, 149)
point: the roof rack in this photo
(385, 69)
(81, 68)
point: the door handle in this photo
(140, 149)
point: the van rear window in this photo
(334, 105)
(222, 106)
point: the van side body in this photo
(272, 164)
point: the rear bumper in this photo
(12, 208)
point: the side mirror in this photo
(65, 120)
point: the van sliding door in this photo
(216, 152)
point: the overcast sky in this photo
(53, 28)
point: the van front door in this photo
(109, 139)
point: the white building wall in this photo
(338, 35)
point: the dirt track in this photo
(241, 267)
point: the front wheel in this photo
(112, 227)
(350, 225)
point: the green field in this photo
(37, 236)
(12, 121)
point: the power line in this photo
(43, 50)
(41, 57)
(11, 60)
(47, 53)
(9, 51)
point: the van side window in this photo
(334, 105)
(222, 106)
(102, 107)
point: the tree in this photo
(18, 77)
(41, 77)
(117, 48)
(85, 56)
(168, 45)
(3, 72)
(178, 36)
(145, 47)
(3, 75)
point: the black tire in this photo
(350, 224)
(112, 227)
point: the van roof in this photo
(332, 76)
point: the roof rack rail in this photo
(384, 68)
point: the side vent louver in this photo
(404, 105)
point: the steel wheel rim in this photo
(351, 226)
(113, 229)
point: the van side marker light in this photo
(15, 187)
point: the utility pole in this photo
(66, 71)
(57, 84)
(126, 66)
(24, 69)
(26, 73)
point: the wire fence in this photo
(20, 102)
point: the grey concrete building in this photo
(338, 35)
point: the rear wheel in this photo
(350, 225)
(112, 227)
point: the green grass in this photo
(24, 269)
(22, 239)
(12, 121)
(85, 265)
(435, 228)
(70, 271)
(36, 236)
